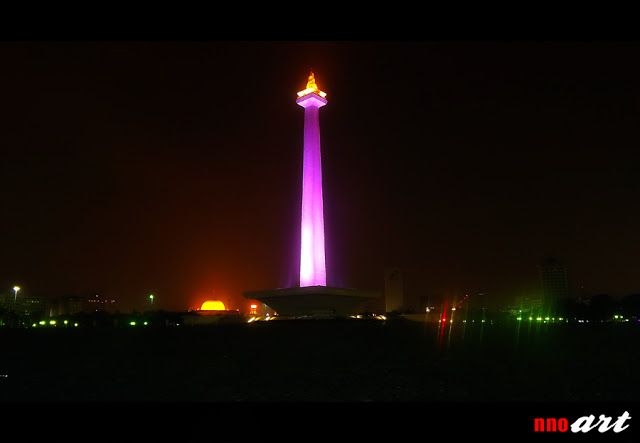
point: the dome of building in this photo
(213, 305)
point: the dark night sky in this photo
(174, 168)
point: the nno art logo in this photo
(583, 424)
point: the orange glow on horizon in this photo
(213, 305)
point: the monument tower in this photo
(313, 298)
(312, 258)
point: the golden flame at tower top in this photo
(312, 88)
(311, 82)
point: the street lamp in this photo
(15, 293)
(151, 297)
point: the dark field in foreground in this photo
(323, 361)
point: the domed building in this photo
(212, 312)
(213, 305)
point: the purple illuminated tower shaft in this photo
(312, 258)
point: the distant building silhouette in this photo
(72, 304)
(528, 304)
(67, 306)
(22, 305)
(31, 306)
(394, 290)
(555, 285)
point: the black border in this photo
(299, 422)
(227, 21)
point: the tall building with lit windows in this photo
(554, 281)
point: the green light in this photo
(482, 321)
(546, 318)
(52, 322)
(145, 323)
(519, 318)
(560, 318)
(42, 322)
(530, 318)
(34, 325)
(132, 323)
(539, 319)
(66, 322)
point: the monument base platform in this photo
(314, 301)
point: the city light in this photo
(145, 323)
(34, 325)
(66, 322)
(151, 297)
(42, 322)
(52, 322)
(15, 293)
(75, 325)
(132, 323)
